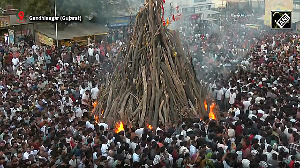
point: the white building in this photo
(202, 8)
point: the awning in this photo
(74, 30)
(13, 21)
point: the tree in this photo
(91, 10)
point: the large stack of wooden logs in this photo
(156, 82)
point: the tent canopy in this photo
(74, 30)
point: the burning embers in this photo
(119, 127)
(96, 117)
(211, 114)
(149, 127)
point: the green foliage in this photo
(101, 8)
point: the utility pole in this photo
(55, 24)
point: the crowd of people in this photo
(47, 93)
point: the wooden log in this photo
(124, 101)
(108, 103)
(161, 117)
(156, 109)
(145, 95)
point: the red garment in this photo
(175, 155)
(251, 137)
(36, 145)
(238, 130)
(72, 97)
(72, 144)
(292, 163)
(48, 52)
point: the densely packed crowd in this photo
(47, 93)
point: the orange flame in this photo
(96, 119)
(102, 112)
(211, 114)
(95, 104)
(119, 127)
(150, 127)
(205, 105)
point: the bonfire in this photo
(156, 82)
(119, 127)
(149, 127)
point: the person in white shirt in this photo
(232, 97)
(89, 125)
(94, 93)
(105, 126)
(226, 99)
(139, 132)
(91, 51)
(246, 104)
(220, 94)
(85, 98)
(78, 112)
(193, 149)
(15, 63)
(82, 90)
(104, 149)
(136, 155)
(97, 57)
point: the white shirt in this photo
(78, 112)
(258, 99)
(85, 97)
(104, 149)
(237, 112)
(104, 125)
(227, 94)
(135, 157)
(15, 61)
(94, 92)
(193, 150)
(89, 125)
(232, 97)
(25, 155)
(91, 51)
(82, 91)
(260, 111)
(139, 132)
(246, 105)
(219, 94)
(97, 57)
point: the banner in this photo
(44, 39)
(121, 21)
(276, 5)
(4, 21)
(11, 35)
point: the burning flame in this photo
(119, 127)
(211, 114)
(96, 119)
(102, 112)
(150, 127)
(95, 104)
(205, 105)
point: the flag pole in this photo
(55, 24)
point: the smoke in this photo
(218, 46)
